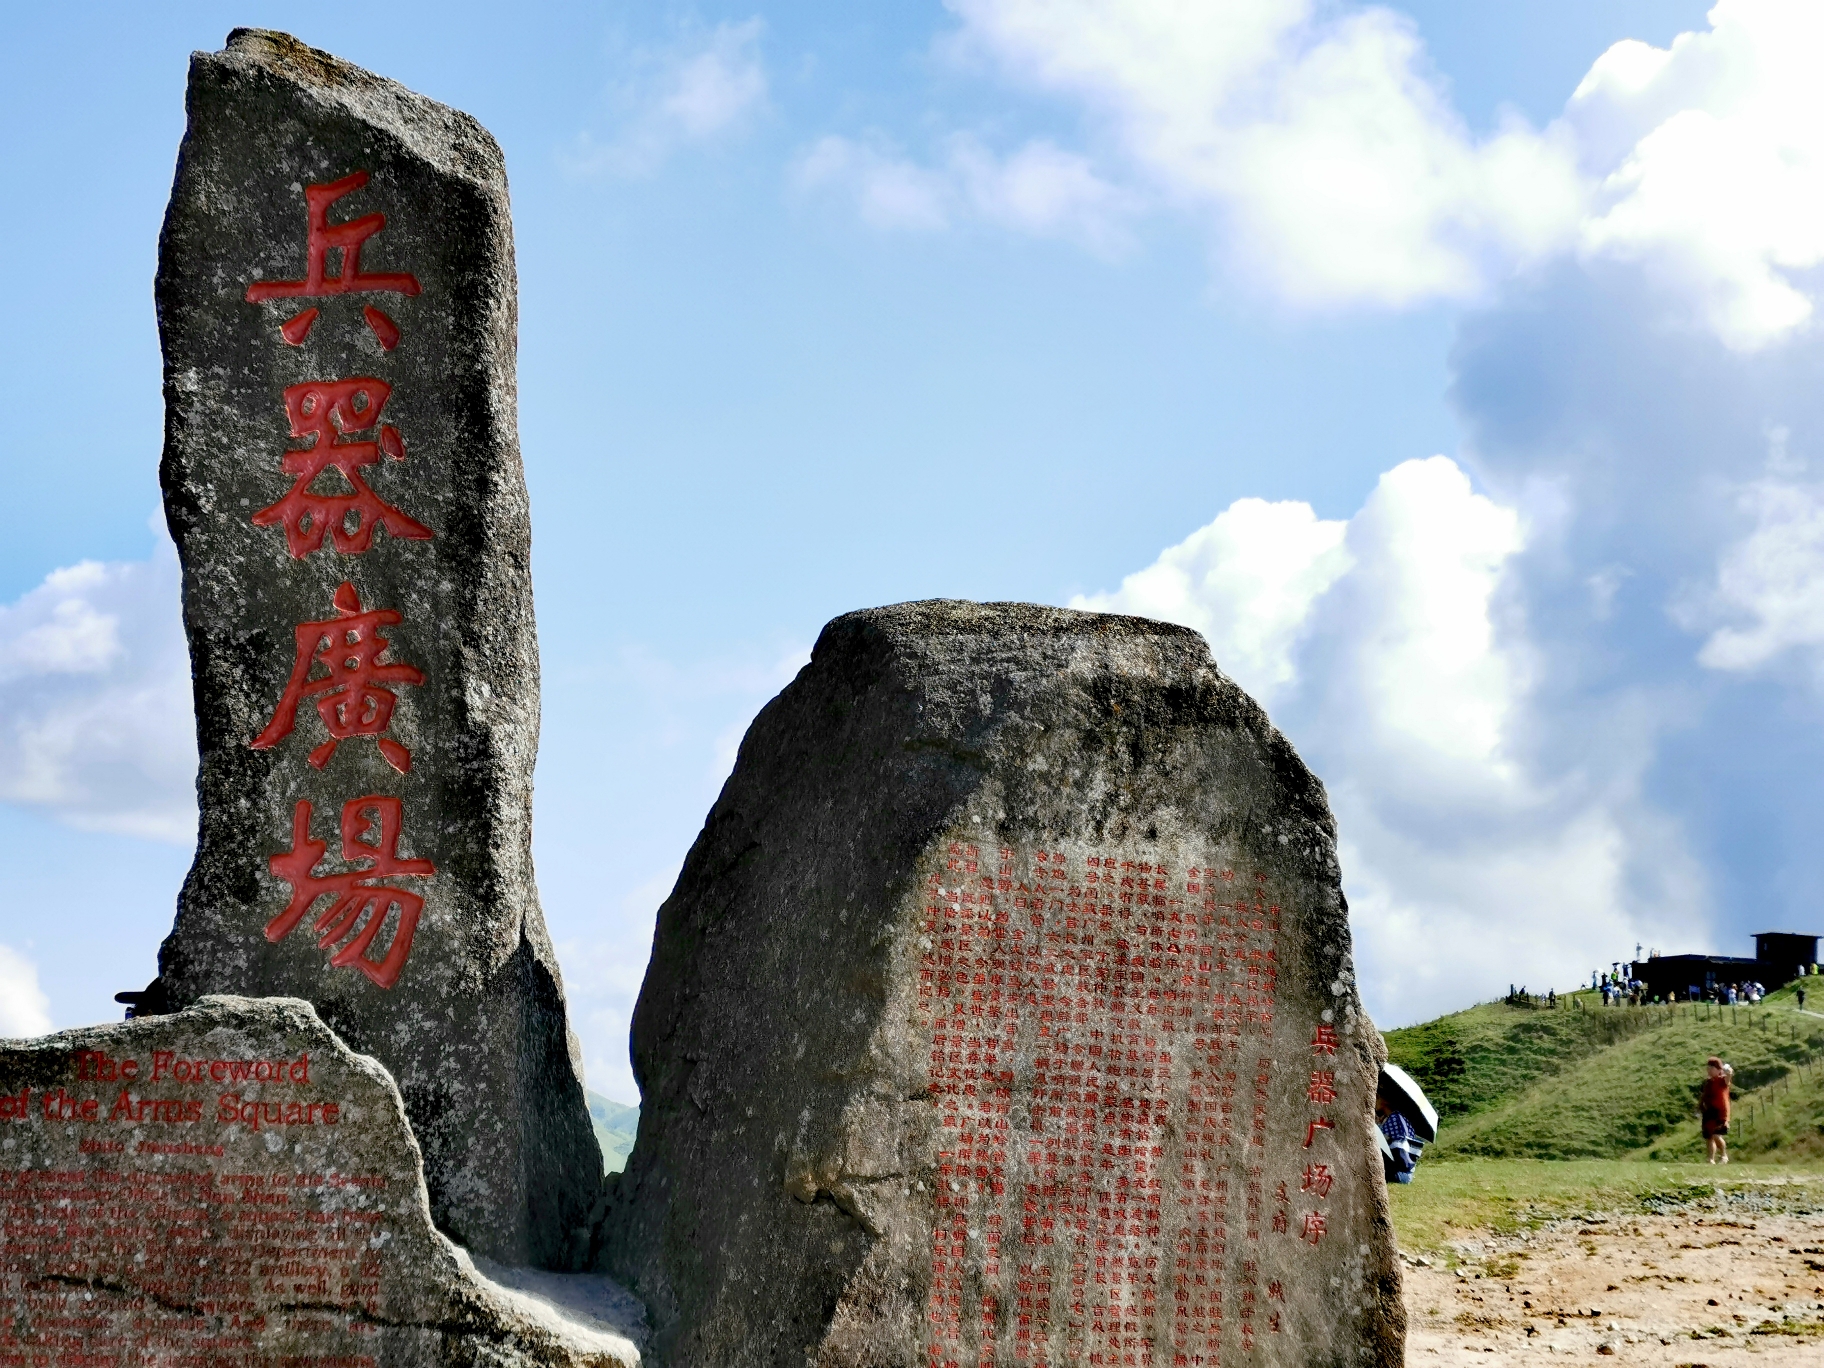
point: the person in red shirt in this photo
(1713, 1108)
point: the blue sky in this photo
(1451, 367)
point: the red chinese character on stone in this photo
(1318, 1179)
(331, 415)
(1324, 1041)
(323, 237)
(350, 696)
(1322, 1123)
(1323, 1086)
(370, 835)
(1314, 1227)
(1279, 1221)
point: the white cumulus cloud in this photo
(1247, 581)
(714, 87)
(1423, 667)
(1390, 657)
(889, 191)
(1711, 154)
(1329, 158)
(1039, 188)
(96, 720)
(1770, 584)
(24, 1009)
(704, 86)
(1332, 168)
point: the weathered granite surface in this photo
(1004, 1012)
(341, 468)
(232, 1186)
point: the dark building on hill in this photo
(1784, 953)
(1673, 976)
(1778, 957)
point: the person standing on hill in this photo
(1713, 1110)
(1801, 992)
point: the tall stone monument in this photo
(1004, 1013)
(341, 474)
(230, 1186)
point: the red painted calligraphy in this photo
(350, 693)
(1089, 1017)
(338, 661)
(371, 829)
(331, 417)
(323, 237)
(107, 1266)
(1319, 1092)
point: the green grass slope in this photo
(1450, 1201)
(1779, 1122)
(1589, 1082)
(615, 1126)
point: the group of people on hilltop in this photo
(1729, 994)
(1617, 989)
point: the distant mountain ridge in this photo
(615, 1127)
(1586, 1081)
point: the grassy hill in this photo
(1586, 1081)
(1583, 1081)
(614, 1129)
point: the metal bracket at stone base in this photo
(232, 1182)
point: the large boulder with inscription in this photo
(232, 1186)
(342, 477)
(1004, 1012)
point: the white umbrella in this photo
(1419, 1109)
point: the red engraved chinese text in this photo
(1101, 1134)
(347, 238)
(351, 695)
(331, 416)
(371, 828)
(1323, 1086)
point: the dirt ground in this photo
(1680, 1288)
